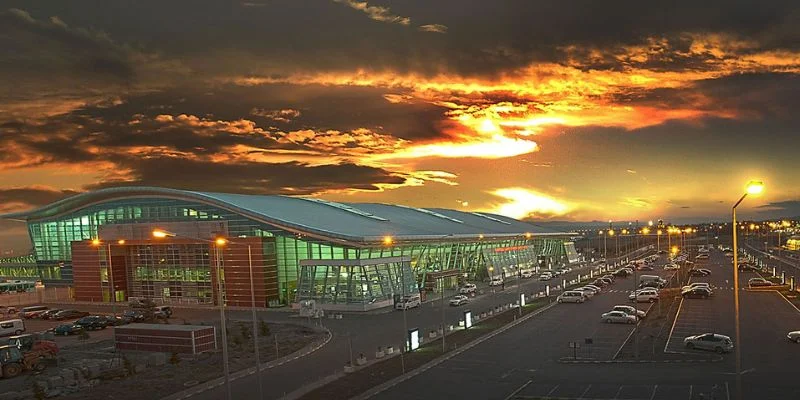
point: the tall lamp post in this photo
(218, 243)
(97, 243)
(754, 188)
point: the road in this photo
(365, 333)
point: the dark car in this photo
(49, 313)
(747, 268)
(93, 322)
(117, 321)
(67, 329)
(696, 293)
(697, 272)
(608, 281)
(133, 316)
(621, 273)
(600, 283)
(68, 314)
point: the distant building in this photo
(793, 243)
(354, 256)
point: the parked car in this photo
(596, 288)
(696, 293)
(630, 311)
(545, 276)
(671, 267)
(600, 283)
(644, 267)
(605, 280)
(622, 272)
(496, 281)
(702, 256)
(133, 316)
(609, 277)
(587, 292)
(644, 295)
(745, 267)
(69, 314)
(709, 341)
(467, 288)
(696, 285)
(526, 273)
(93, 322)
(67, 329)
(698, 272)
(459, 300)
(650, 284)
(757, 282)
(794, 336)
(117, 321)
(620, 317)
(32, 311)
(49, 313)
(162, 311)
(571, 296)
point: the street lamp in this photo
(753, 188)
(160, 234)
(97, 243)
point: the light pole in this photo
(754, 188)
(97, 242)
(218, 243)
(658, 240)
(222, 242)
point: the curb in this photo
(185, 394)
(394, 382)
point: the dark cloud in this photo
(253, 178)
(780, 209)
(21, 198)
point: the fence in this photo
(38, 296)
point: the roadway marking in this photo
(653, 395)
(584, 392)
(551, 391)
(787, 300)
(619, 391)
(677, 315)
(519, 389)
(690, 391)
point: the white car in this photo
(546, 276)
(596, 288)
(588, 292)
(526, 273)
(644, 295)
(709, 341)
(696, 284)
(630, 310)
(671, 267)
(496, 281)
(571, 296)
(459, 300)
(620, 317)
(467, 288)
(794, 336)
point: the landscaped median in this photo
(361, 380)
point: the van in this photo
(651, 278)
(409, 301)
(32, 311)
(12, 327)
(571, 296)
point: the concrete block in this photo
(156, 359)
(361, 360)
(389, 349)
(379, 354)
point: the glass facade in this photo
(171, 273)
(356, 284)
(52, 237)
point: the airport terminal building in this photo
(280, 250)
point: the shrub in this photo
(245, 331)
(237, 342)
(263, 328)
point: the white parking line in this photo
(618, 391)
(677, 315)
(551, 391)
(584, 392)
(521, 388)
(691, 387)
(655, 389)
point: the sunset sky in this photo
(566, 110)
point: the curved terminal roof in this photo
(341, 222)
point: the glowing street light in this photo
(753, 188)
(387, 240)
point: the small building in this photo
(165, 338)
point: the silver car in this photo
(619, 317)
(709, 341)
(794, 336)
(630, 310)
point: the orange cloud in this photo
(525, 203)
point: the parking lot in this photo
(601, 390)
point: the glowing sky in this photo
(579, 110)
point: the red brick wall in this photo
(237, 272)
(86, 271)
